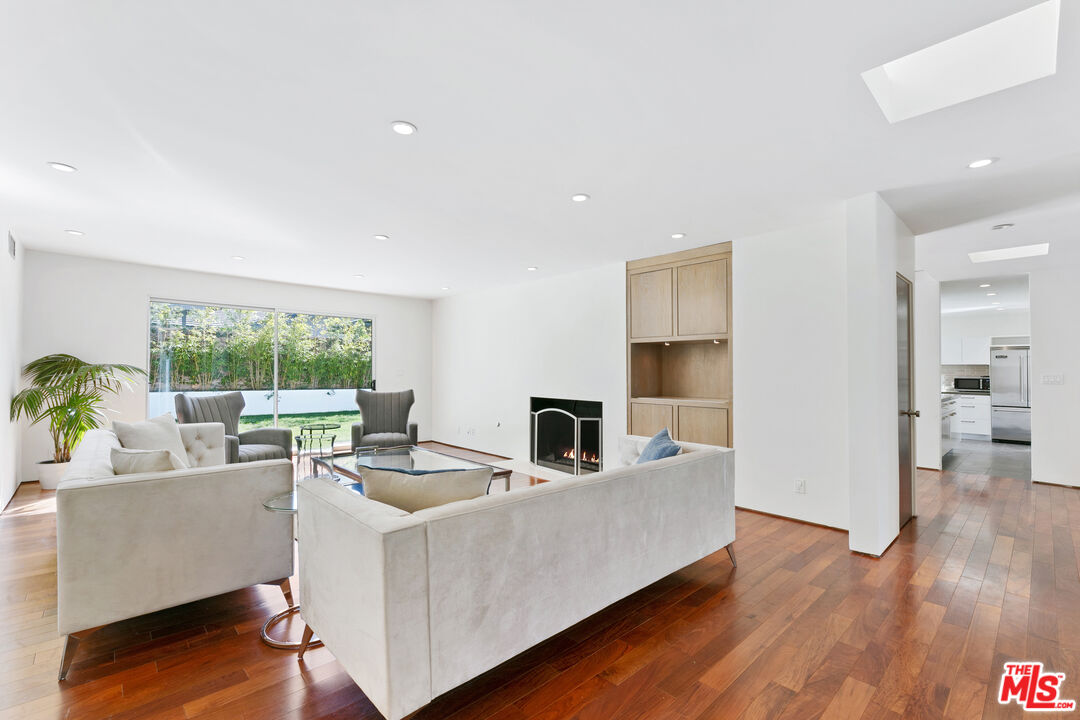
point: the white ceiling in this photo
(204, 130)
(944, 253)
(964, 296)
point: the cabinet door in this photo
(702, 298)
(706, 425)
(650, 304)
(952, 352)
(649, 418)
(976, 350)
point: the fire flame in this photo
(585, 456)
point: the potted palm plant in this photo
(69, 394)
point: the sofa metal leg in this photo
(71, 645)
(308, 632)
(731, 554)
(286, 590)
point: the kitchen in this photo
(985, 376)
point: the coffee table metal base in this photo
(284, 644)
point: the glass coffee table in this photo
(408, 459)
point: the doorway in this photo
(905, 397)
(985, 376)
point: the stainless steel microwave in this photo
(972, 383)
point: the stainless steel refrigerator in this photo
(1010, 393)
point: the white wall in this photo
(879, 246)
(561, 337)
(928, 320)
(11, 272)
(97, 310)
(790, 371)
(1055, 350)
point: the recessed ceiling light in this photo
(403, 128)
(77, 233)
(580, 197)
(678, 236)
(1010, 253)
(985, 285)
(1000, 308)
(995, 303)
(1003, 226)
(990, 294)
(444, 287)
(238, 258)
(62, 167)
(982, 163)
(531, 269)
(382, 237)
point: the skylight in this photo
(1003, 54)
(1010, 253)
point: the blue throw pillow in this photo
(660, 447)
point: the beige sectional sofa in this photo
(413, 605)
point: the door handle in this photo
(910, 413)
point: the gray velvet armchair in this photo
(261, 444)
(384, 419)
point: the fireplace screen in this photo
(567, 435)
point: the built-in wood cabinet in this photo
(647, 418)
(701, 296)
(679, 345)
(708, 425)
(651, 303)
(691, 420)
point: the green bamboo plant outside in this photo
(69, 393)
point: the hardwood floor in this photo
(802, 629)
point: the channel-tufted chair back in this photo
(385, 412)
(224, 408)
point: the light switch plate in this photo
(1053, 379)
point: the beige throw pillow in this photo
(160, 433)
(416, 492)
(129, 462)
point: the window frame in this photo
(274, 312)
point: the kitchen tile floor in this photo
(983, 457)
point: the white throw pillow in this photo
(416, 492)
(160, 433)
(129, 462)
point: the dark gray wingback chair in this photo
(262, 444)
(384, 419)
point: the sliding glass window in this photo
(204, 349)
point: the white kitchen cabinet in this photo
(973, 415)
(952, 351)
(966, 350)
(975, 350)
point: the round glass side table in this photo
(284, 503)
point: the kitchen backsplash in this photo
(948, 372)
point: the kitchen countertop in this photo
(965, 392)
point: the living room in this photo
(477, 196)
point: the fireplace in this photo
(567, 435)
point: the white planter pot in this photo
(49, 473)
